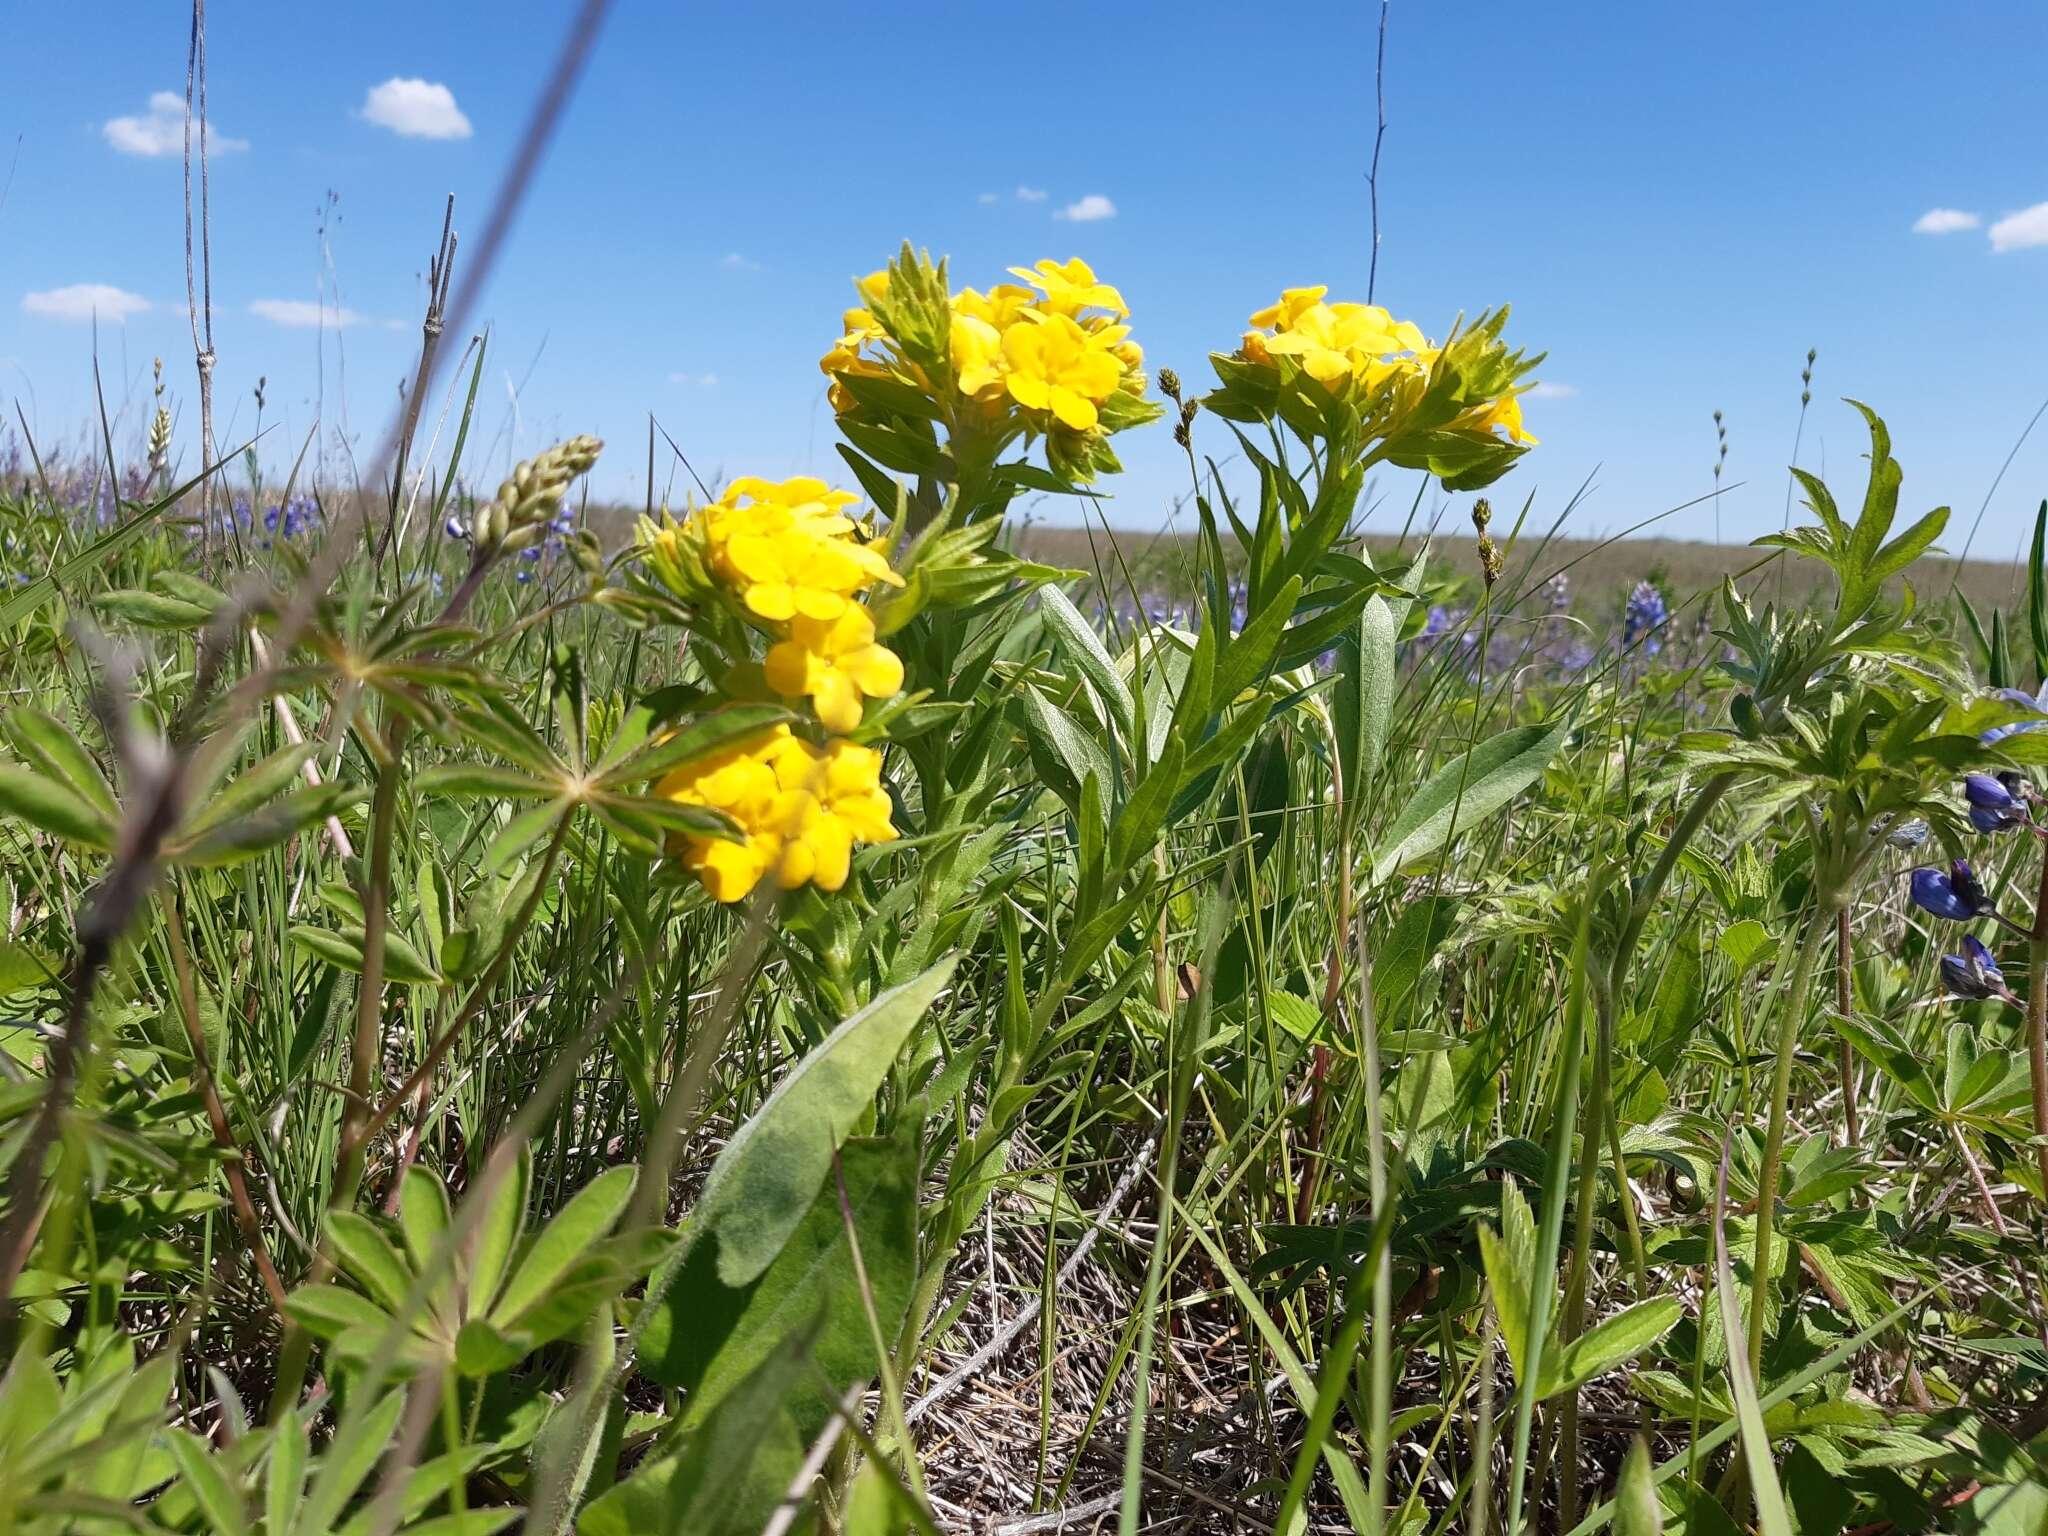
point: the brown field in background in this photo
(1600, 573)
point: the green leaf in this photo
(370, 1259)
(1607, 1344)
(1466, 790)
(284, 1481)
(766, 1179)
(729, 1475)
(484, 781)
(1363, 703)
(1078, 639)
(1772, 1518)
(344, 948)
(1637, 1512)
(706, 1337)
(52, 748)
(357, 1446)
(151, 610)
(498, 1233)
(245, 836)
(330, 1311)
(55, 808)
(700, 738)
(208, 1485)
(1509, 1259)
(563, 1241)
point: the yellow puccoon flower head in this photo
(1055, 366)
(800, 811)
(835, 663)
(1070, 287)
(1337, 344)
(1047, 358)
(788, 547)
(740, 781)
(1419, 405)
(830, 801)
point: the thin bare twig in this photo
(1372, 177)
(199, 302)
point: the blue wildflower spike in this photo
(1643, 616)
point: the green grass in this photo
(1460, 1002)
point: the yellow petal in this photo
(788, 668)
(837, 700)
(771, 600)
(877, 669)
(1077, 411)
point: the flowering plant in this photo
(1352, 375)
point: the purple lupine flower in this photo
(1974, 973)
(1955, 895)
(1642, 616)
(1994, 804)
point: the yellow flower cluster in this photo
(790, 554)
(800, 810)
(1356, 350)
(788, 548)
(1055, 352)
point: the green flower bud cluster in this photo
(528, 501)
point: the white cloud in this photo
(85, 301)
(2017, 231)
(989, 197)
(416, 109)
(304, 314)
(1551, 391)
(1031, 194)
(733, 261)
(1090, 208)
(701, 380)
(1944, 221)
(161, 130)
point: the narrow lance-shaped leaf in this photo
(769, 1173)
(1467, 790)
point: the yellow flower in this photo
(789, 547)
(977, 348)
(800, 812)
(740, 781)
(1280, 316)
(829, 802)
(1337, 344)
(1505, 413)
(1001, 306)
(1055, 367)
(1070, 287)
(835, 663)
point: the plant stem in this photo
(216, 1112)
(1845, 998)
(1592, 1127)
(1792, 1014)
(2037, 1023)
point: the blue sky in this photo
(1678, 201)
